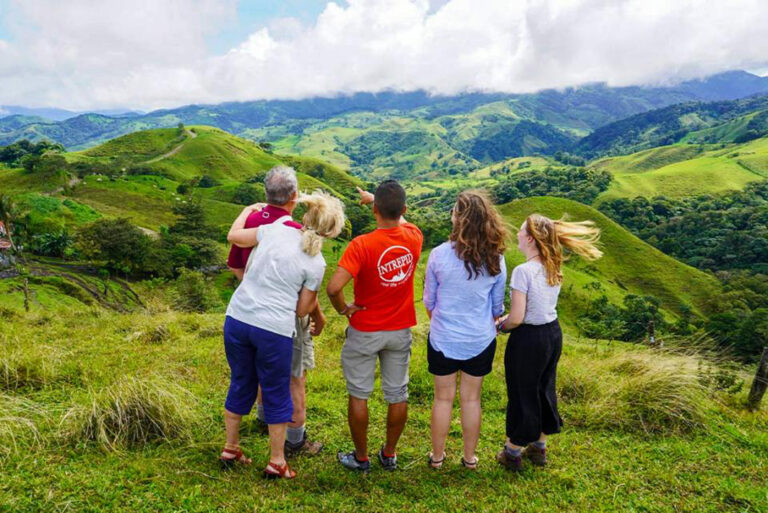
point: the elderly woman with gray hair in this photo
(257, 332)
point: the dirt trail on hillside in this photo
(190, 135)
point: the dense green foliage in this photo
(631, 322)
(116, 242)
(578, 184)
(13, 154)
(726, 231)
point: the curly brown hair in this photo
(478, 233)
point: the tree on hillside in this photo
(191, 221)
(13, 153)
(117, 242)
(46, 165)
(248, 194)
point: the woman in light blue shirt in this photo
(464, 295)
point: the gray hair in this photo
(280, 185)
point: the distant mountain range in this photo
(50, 114)
(412, 133)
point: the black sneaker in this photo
(389, 463)
(350, 461)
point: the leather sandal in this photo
(238, 457)
(471, 465)
(433, 463)
(275, 471)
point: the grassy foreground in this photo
(642, 433)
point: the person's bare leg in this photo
(277, 443)
(470, 390)
(445, 394)
(357, 415)
(542, 438)
(397, 415)
(232, 425)
(299, 397)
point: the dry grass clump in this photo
(636, 392)
(16, 426)
(133, 412)
(156, 334)
(35, 366)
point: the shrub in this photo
(133, 412)
(192, 292)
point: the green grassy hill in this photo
(685, 170)
(162, 159)
(644, 429)
(629, 265)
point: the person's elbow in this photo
(332, 289)
(303, 309)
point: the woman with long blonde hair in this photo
(261, 318)
(463, 295)
(535, 340)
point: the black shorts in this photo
(480, 365)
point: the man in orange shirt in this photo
(382, 264)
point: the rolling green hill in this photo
(146, 168)
(716, 122)
(629, 265)
(684, 170)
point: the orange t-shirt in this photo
(383, 263)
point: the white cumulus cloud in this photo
(151, 53)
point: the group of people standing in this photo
(274, 313)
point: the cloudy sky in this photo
(147, 54)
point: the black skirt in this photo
(530, 366)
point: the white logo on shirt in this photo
(395, 265)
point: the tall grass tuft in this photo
(133, 412)
(17, 429)
(34, 367)
(635, 392)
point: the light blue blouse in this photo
(463, 309)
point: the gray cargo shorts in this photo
(358, 360)
(303, 357)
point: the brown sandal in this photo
(239, 457)
(433, 463)
(471, 465)
(275, 471)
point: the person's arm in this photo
(335, 291)
(241, 236)
(497, 291)
(238, 273)
(430, 287)
(307, 302)
(516, 311)
(366, 198)
(317, 318)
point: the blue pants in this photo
(258, 357)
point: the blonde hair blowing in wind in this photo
(553, 237)
(324, 219)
